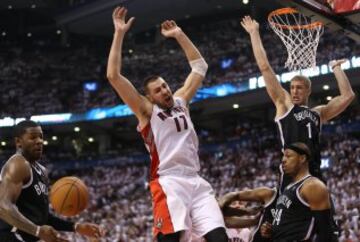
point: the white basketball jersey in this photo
(171, 140)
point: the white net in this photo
(300, 36)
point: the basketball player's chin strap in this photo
(60, 224)
(324, 231)
(199, 66)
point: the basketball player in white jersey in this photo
(183, 202)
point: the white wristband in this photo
(37, 233)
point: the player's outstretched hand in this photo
(119, 16)
(49, 234)
(169, 29)
(335, 63)
(249, 24)
(89, 230)
(265, 230)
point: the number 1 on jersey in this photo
(177, 123)
(309, 130)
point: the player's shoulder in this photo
(17, 166)
(314, 188)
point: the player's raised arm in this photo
(339, 103)
(127, 92)
(276, 92)
(198, 65)
(16, 173)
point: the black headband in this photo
(298, 150)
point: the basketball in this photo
(69, 196)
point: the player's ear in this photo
(18, 142)
(303, 158)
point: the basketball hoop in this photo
(300, 36)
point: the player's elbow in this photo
(112, 77)
(199, 66)
(351, 96)
(264, 66)
(5, 208)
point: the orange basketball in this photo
(69, 196)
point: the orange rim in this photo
(284, 11)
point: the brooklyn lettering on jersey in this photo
(304, 114)
(284, 200)
(41, 188)
(167, 114)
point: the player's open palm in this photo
(249, 24)
(120, 23)
(89, 230)
(169, 29)
(49, 234)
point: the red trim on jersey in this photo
(161, 214)
(148, 137)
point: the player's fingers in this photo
(116, 10)
(168, 24)
(173, 24)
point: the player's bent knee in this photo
(217, 235)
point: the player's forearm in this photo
(344, 84)
(190, 50)
(114, 61)
(259, 51)
(60, 224)
(11, 215)
(236, 222)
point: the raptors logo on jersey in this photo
(171, 140)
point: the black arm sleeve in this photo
(60, 224)
(323, 225)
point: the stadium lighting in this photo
(3, 143)
(245, 1)
(46, 142)
(235, 106)
(328, 98)
(77, 129)
(54, 138)
(91, 139)
(326, 87)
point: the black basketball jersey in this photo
(293, 220)
(33, 201)
(301, 124)
(266, 216)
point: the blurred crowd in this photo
(43, 78)
(121, 201)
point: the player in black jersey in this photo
(24, 204)
(303, 209)
(264, 195)
(297, 122)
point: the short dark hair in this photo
(21, 127)
(148, 80)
